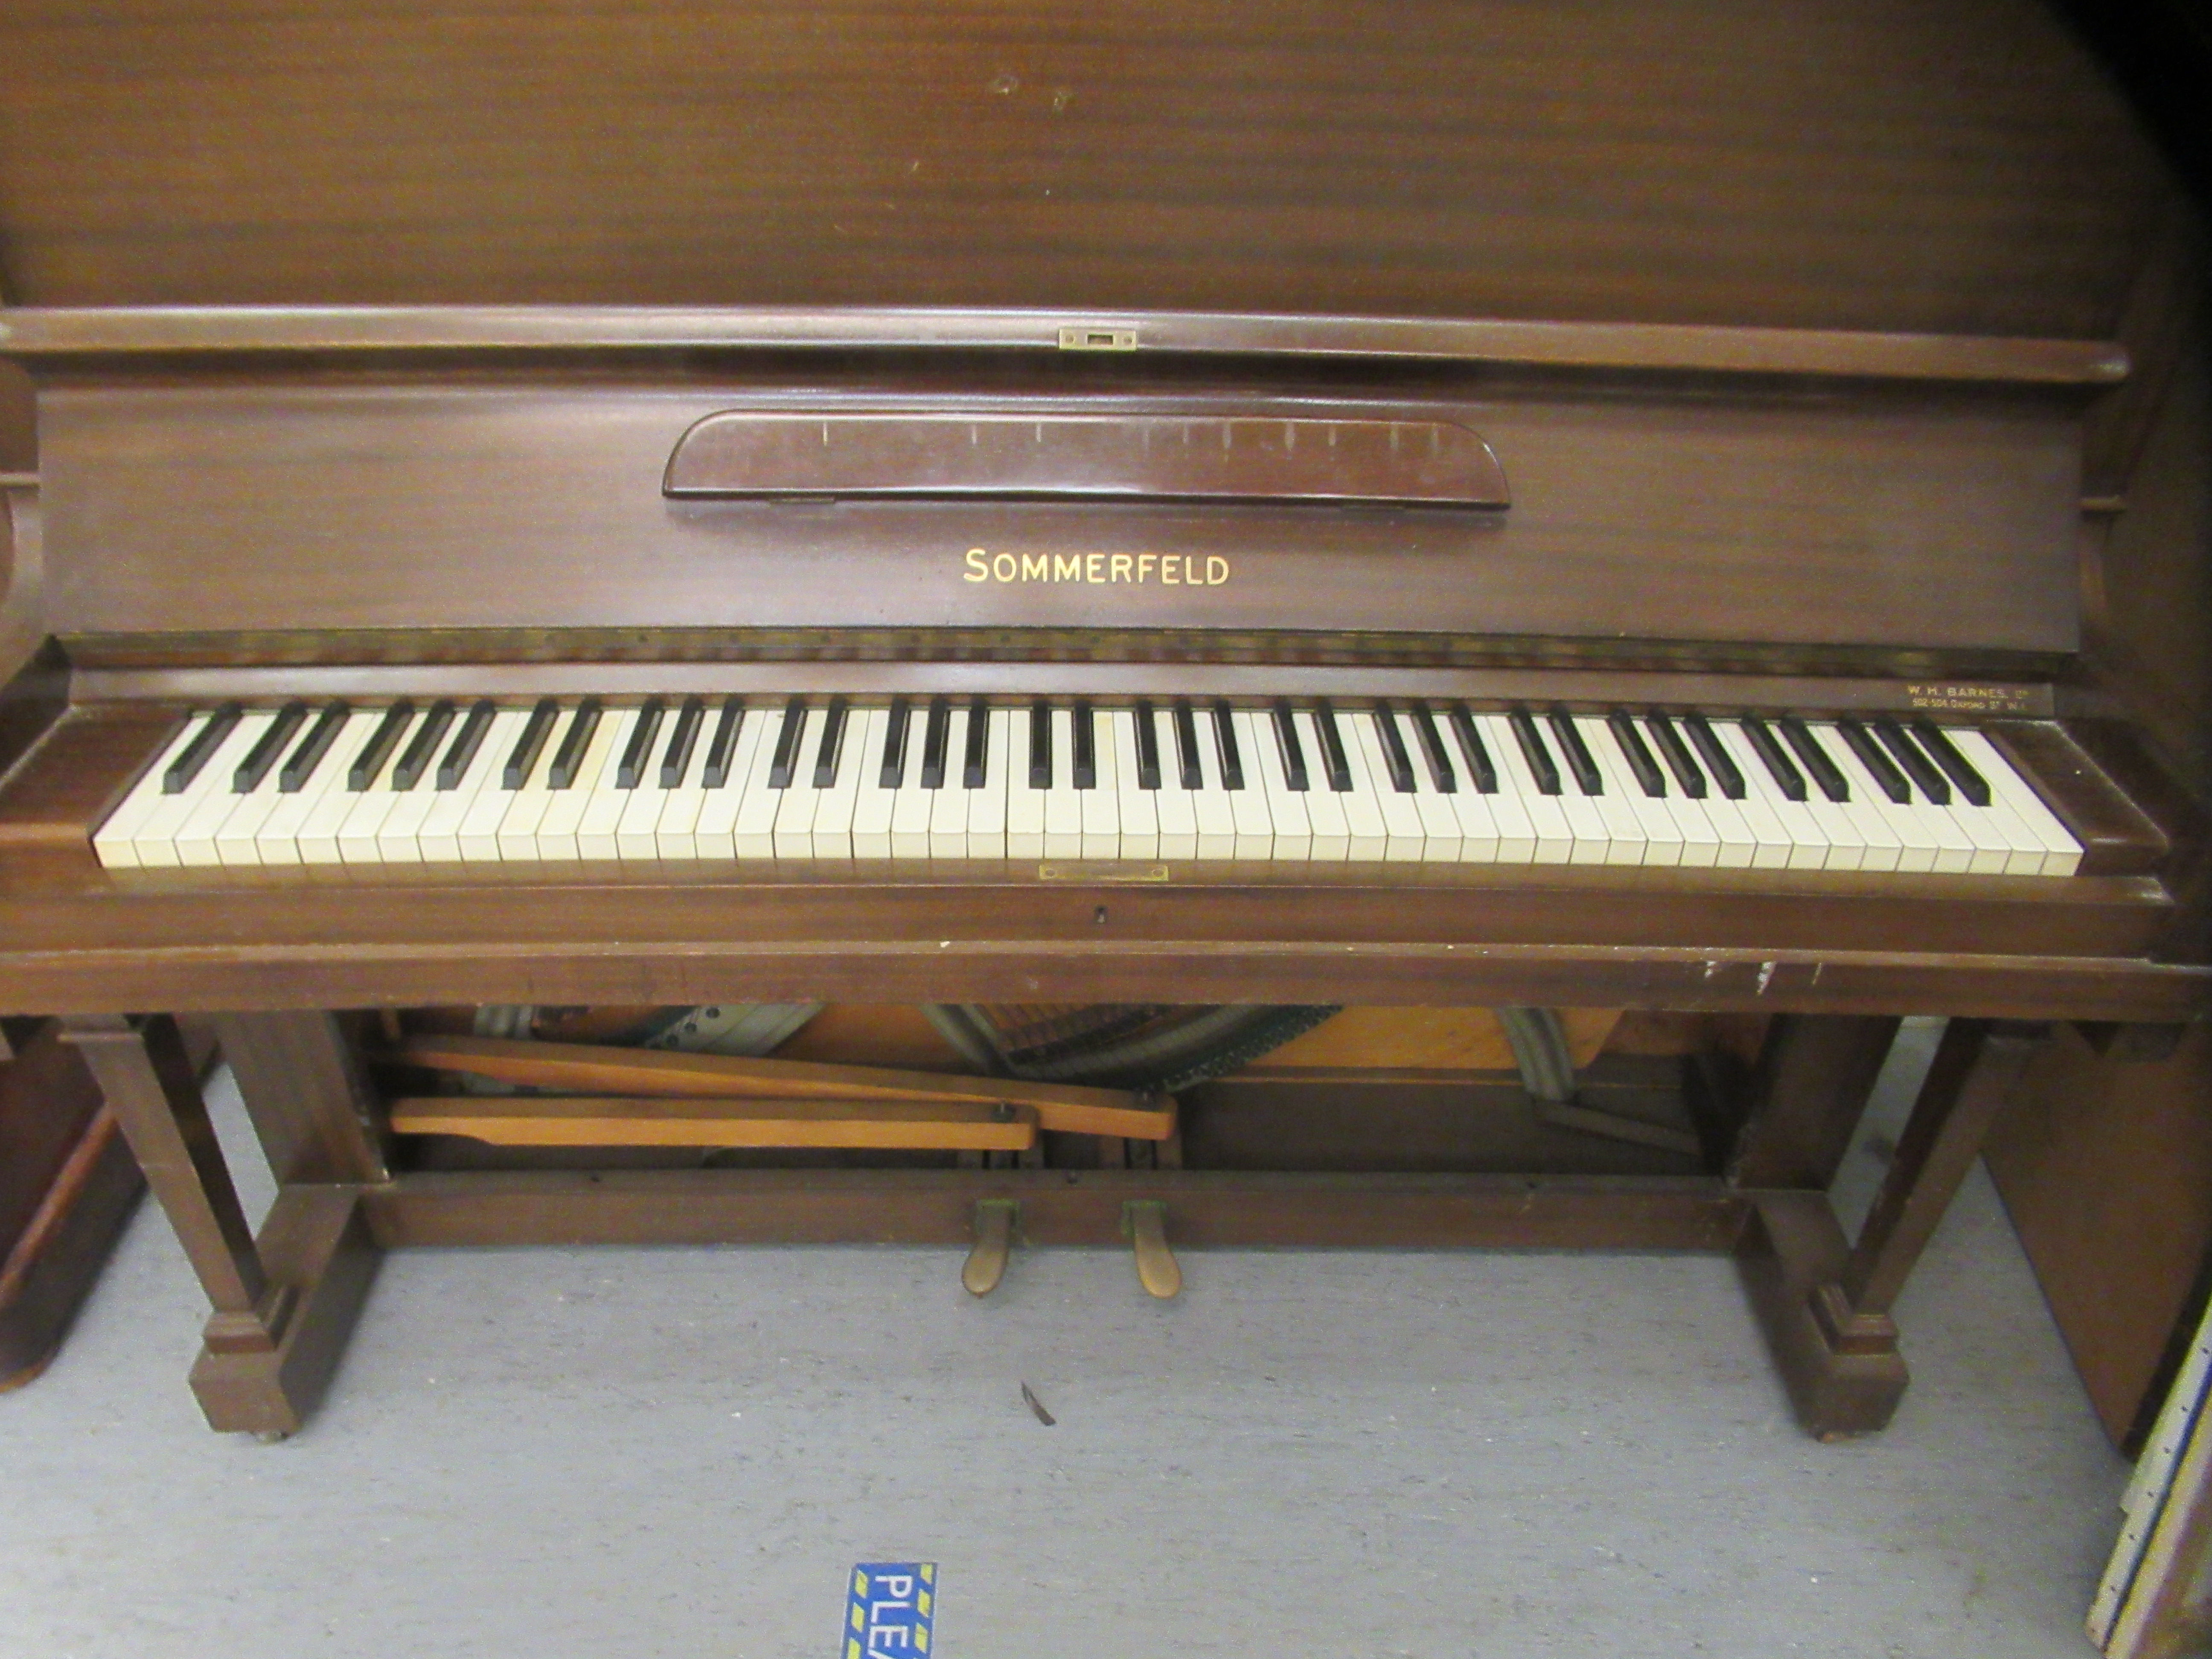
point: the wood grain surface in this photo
(1876, 164)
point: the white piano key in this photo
(1586, 818)
(1101, 802)
(152, 842)
(1918, 844)
(674, 831)
(1139, 808)
(948, 803)
(440, 838)
(1175, 807)
(526, 808)
(639, 809)
(214, 793)
(1737, 841)
(793, 834)
(1443, 839)
(872, 804)
(1063, 802)
(1247, 807)
(1880, 847)
(1691, 817)
(303, 828)
(1642, 828)
(1210, 804)
(1803, 841)
(753, 831)
(1551, 836)
(1330, 829)
(359, 835)
(1510, 823)
(560, 831)
(715, 836)
(1025, 801)
(398, 831)
(2062, 851)
(1954, 848)
(1480, 840)
(114, 842)
(1291, 825)
(1404, 837)
(915, 806)
(833, 807)
(987, 806)
(1367, 835)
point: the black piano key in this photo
(1679, 761)
(892, 772)
(1148, 747)
(300, 764)
(189, 765)
(263, 756)
(381, 742)
(1188, 769)
(783, 764)
(1040, 745)
(637, 753)
(1545, 769)
(1395, 757)
(1333, 761)
(1441, 771)
(936, 738)
(722, 747)
(1808, 748)
(1293, 751)
(1086, 745)
(1225, 742)
(1579, 759)
(522, 759)
(1886, 777)
(569, 759)
(415, 759)
(831, 749)
(466, 741)
(1956, 767)
(682, 737)
(1481, 770)
(1718, 761)
(1641, 766)
(1787, 778)
(976, 759)
(1921, 770)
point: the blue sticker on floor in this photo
(890, 1609)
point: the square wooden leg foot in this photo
(316, 1245)
(1844, 1376)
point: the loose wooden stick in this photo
(1058, 1106)
(662, 1121)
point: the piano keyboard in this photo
(825, 779)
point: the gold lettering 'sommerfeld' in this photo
(980, 564)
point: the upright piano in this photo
(1446, 510)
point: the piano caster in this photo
(1144, 1225)
(994, 1241)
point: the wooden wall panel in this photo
(2106, 1170)
(1875, 164)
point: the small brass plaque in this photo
(1970, 699)
(1101, 869)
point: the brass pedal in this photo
(994, 1241)
(1145, 1224)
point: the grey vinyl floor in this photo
(594, 1454)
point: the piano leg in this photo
(1825, 1305)
(283, 1303)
